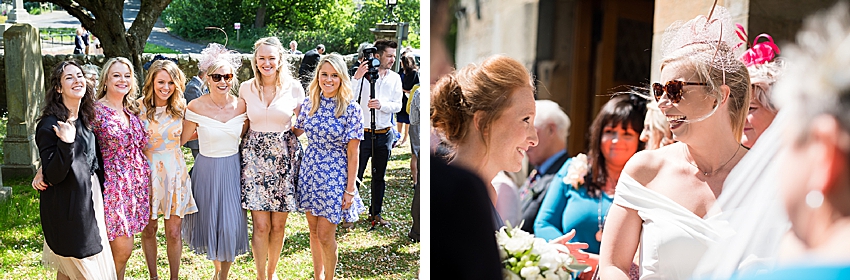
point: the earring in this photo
(814, 199)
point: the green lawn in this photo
(154, 48)
(384, 253)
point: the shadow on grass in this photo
(299, 241)
(383, 260)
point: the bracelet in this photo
(349, 193)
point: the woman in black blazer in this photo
(71, 207)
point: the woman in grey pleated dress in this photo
(220, 227)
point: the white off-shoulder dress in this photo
(673, 238)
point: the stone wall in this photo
(187, 62)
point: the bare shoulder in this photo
(241, 106)
(644, 166)
(198, 103)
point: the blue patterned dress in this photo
(324, 171)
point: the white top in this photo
(388, 91)
(673, 238)
(277, 117)
(215, 138)
(507, 203)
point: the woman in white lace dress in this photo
(663, 196)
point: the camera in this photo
(373, 62)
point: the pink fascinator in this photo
(759, 53)
(215, 52)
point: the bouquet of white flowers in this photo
(527, 257)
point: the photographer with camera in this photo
(378, 109)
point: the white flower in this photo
(550, 275)
(530, 272)
(509, 275)
(576, 171)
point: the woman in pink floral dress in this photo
(121, 137)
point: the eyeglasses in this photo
(673, 89)
(217, 77)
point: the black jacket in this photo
(531, 195)
(463, 222)
(66, 207)
(308, 64)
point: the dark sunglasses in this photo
(673, 89)
(217, 77)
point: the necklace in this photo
(216, 104)
(706, 173)
(600, 217)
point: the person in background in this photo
(409, 78)
(162, 110)
(70, 201)
(582, 204)
(271, 154)
(194, 89)
(81, 42)
(415, 152)
(553, 127)
(656, 130)
(387, 101)
(92, 73)
(762, 111)
(293, 48)
(308, 64)
(361, 56)
(327, 192)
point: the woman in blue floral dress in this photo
(326, 190)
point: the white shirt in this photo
(388, 91)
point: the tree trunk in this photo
(108, 26)
(260, 21)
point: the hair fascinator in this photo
(759, 53)
(215, 52)
(714, 32)
(158, 57)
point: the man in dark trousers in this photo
(308, 64)
(386, 103)
(548, 156)
(194, 89)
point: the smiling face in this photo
(696, 104)
(387, 58)
(163, 87)
(267, 59)
(513, 132)
(758, 119)
(118, 79)
(223, 85)
(618, 144)
(72, 83)
(329, 80)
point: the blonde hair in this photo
(175, 103)
(283, 79)
(129, 100)
(762, 78)
(344, 94)
(214, 67)
(736, 77)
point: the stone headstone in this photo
(24, 95)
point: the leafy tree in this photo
(105, 19)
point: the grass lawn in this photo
(154, 48)
(384, 253)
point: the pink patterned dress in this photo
(126, 170)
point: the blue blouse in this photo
(565, 208)
(825, 272)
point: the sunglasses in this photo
(673, 89)
(217, 77)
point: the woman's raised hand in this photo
(65, 131)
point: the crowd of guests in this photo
(645, 200)
(111, 159)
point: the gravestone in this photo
(24, 95)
